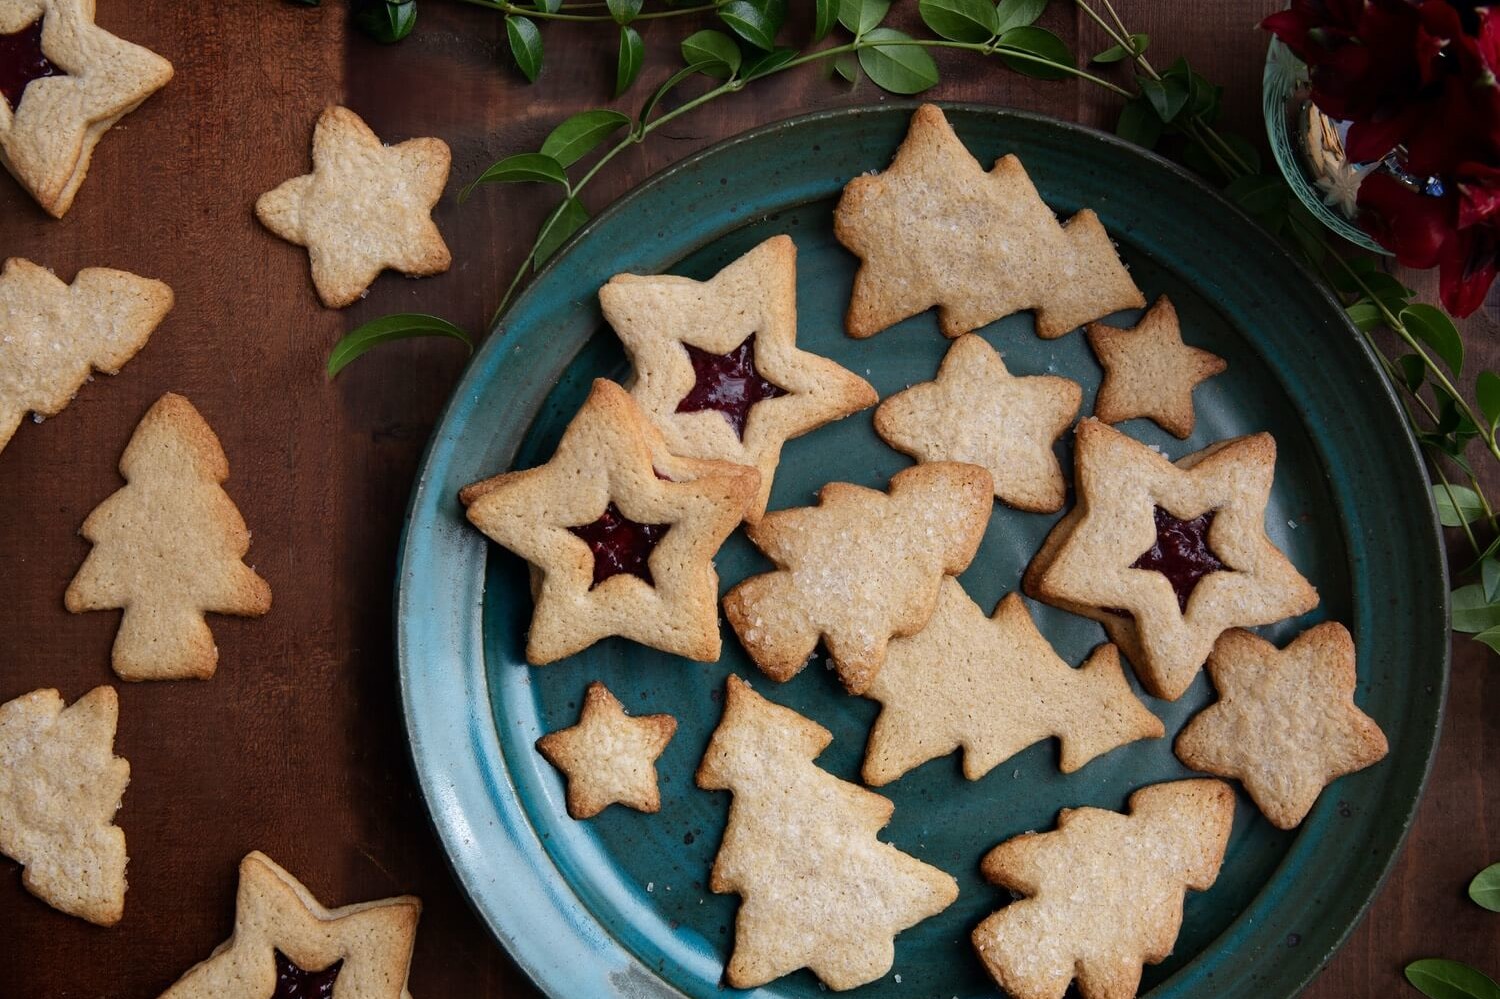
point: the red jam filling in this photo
(1181, 553)
(294, 983)
(727, 383)
(21, 61)
(621, 545)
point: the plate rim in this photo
(524, 952)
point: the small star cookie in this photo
(168, 548)
(936, 230)
(717, 365)
(365, 207)
(860, 568)
(994, 686)
(53, 335)
(978, 412)
(287, 946)
(1149, 371)
(1168, 557)
(60, 786)
(609, 757)
(620, 532)
(817, 889)
(1103, 893)
(1285, 724)
(67, 82)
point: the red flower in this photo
(1426, 231)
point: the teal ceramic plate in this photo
(618, 906)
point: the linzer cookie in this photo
(1169, 556)
(60, 785)
(364, 208)
(1102, 895)
(936, 230)
(287, 946)
(620, 532)
(1285, 724)
(817, 889)
(860, 568)
(994, 686)
(1149, 371)
(717, 365)
(64, 82)
(978, 412)
(53, 335)
(609, 757)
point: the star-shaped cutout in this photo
(612, 455)
(1285, 724)
(283, 939)
(717, 365)
(1181, 553)
(1087, 564)
(936, 230)
(609, 757)
(993, 686)
(72, 88)
(365, 207)
(1149, 371)
(977, 411)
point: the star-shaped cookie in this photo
(993, 686)
(1285, 724)
(53, 335)
(1149, 371)
(282, 936)
(60, 785)
(936, 230)
(365, 207)
(609, 757)
(977, 411)
(717, 364)
(620, 532)
(1169, 557)
(67, 82)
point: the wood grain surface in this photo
(296, 747)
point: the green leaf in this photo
(767, 63)
(1485, 888)
(1017, 14)
(714, 50)
(1432, 326)
(861, 16)
(749, 22)
(1168, 96)
(1037, 42)
(632, 55)
(564, 221)
(1437, 978)
(1258, 194)
(385, 329)
(1489, 578)
(547, 6)
(1364, 315)
(517, 169)
(1413, 370)
(1244, 150)
(666, 87)
(1138, 45)
(1472, 613)
(900, 69)
(1487, 391)
(1463, 507)
(578, 135)
(1138, 123)
(387, 22)
(847, 66)
(525, 45)
(623, 11)
(959, 20)
(306, 3)
(1490, 637)
(825, 16)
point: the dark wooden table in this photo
(296, 746)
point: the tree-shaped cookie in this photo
(1103, 894)
(936, 229)
(858, 569)
(168, 549)
(818, 890)
(994, 686)
(60, 785)
(53, 335)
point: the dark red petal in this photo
(1478, 193)
(1413, 226)
(1370, 140)
(1468, 269)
